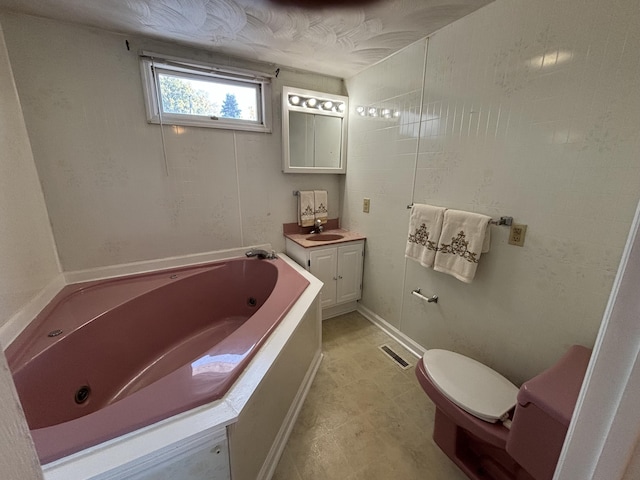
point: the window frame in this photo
(201, 71)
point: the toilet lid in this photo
(469, 384)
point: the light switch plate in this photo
(366, 203)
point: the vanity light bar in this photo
(377, 112)
(316, 103)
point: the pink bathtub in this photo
(108, 357)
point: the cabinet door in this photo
(349, 273)
(323, 267)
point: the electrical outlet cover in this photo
(517, 234)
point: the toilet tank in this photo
(543, 412)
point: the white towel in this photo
(306, 208)
(321, 205)
(425, 225)
(464, 237)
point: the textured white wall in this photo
(605, 427)
(101, 164)
(633, 469)
(18, 459)
(380, 164)
(27, 262)
(553, 143)
(27, 253)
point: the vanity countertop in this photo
(302, 239)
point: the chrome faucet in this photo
(319, 227)
(262, 254)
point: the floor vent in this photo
(402, 363)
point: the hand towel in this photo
(465, 236)
(321, 205)
(306, 208)
(425, 225)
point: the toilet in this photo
(494, 430)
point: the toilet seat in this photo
(472, 386)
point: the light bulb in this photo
(294, 100)
(311, 102)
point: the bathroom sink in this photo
(324, 237)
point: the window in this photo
(180, 92)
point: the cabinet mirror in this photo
(314, 127)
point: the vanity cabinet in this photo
(339, 267)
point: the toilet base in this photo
(478, 459)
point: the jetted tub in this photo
(108, 357)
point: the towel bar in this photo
(503, 221)
(507, 221)
(433, 299)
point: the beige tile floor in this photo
(364, 417)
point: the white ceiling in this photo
(340, 40)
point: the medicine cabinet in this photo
(314, 131)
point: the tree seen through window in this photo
(188, 96)
(230, 107)
(180, 96)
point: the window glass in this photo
(180, 95)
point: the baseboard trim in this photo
(413, 347)
(273, 457)
(339, 310)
